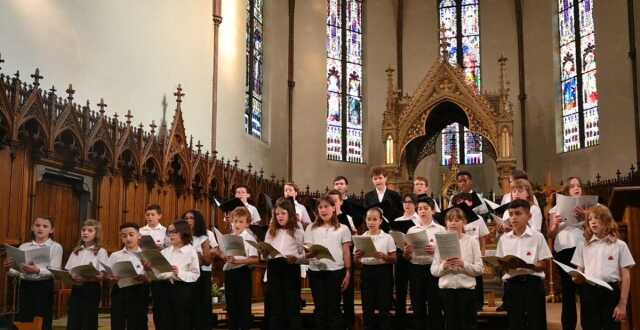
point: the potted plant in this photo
(216, 293)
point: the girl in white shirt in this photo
(283, 280)
(458, 276)
(377, 274)
(36, 286)
(291, 191)
(565, 240)
(606, 257)
(328, 277)
(207, 248)
(85, 293)
(177, 292)
(521, 189)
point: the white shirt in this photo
(603, 258)
(432, 229)
(380, 194)
(55, 260)
(302, 213)
(384, 243)
(158, 233)
(249, 251)
(126, 255)
(186, 259)
(86, 256)
(415, 218)
(464, 278)
(352, 226)
(197, 244)
(536, 218)
(476, 229)
(568, 236)
(530, 247)
(255, 215)
(332, 239)
(285, 244)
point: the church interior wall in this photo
(617, 147)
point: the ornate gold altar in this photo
(408, 118)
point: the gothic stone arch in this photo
(405, 117)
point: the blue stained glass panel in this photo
(569, 97)
(472, 148)
(450, 138)
(354, 114)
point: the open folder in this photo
(319, 251)
(124, 271)
(37, 256)
(589, 279)
(507, 263)
(265, 249)
(365, 244)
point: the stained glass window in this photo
(255, 69)
(459, 22)
(344, 80)
(578, 74)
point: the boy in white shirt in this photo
(423, 287)
(242, 193)
(524, 295)
(129, 305)
(153, 228)
(237, 274)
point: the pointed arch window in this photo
(459, 22)
(578, 86)
(255, 68)
(344, 80)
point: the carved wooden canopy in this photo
(411, 118)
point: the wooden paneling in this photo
(59, 201)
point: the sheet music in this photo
(319, 251)
(398, 238)
(566, 207)
(233, 245)
(590, 279)
(365, 244)
(418, 241)
(37, 256)
(448, 245)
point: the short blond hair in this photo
(241, 212)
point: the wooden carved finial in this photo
(153, 126)
(128, 116)
(102, 105)
(1, 61)
(36, 78)
(70, 91)
(199, 146)
(179, 94)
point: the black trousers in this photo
(283, 291)
(176, 305)
(129, 307)
(597, 305)
(526, 307)
(158, 292)
(348, 305)
(401, 280)
(83, 307)
(237, 292)
(325, 288)
(36, 299)
(479, 292)
(203, 307)
(569, 317)
(425, 298)
(377, 293)
(459, 308)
